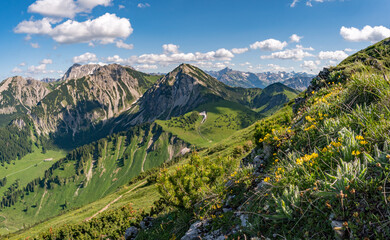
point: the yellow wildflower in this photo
(364, 142)
(358, 137)
(356, 153)
(267, 179)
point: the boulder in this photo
(131, 233)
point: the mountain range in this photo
(299, 81)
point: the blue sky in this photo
(42, 38)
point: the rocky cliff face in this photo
(18, 94)
(78, 71)
(79, 104)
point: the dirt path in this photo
(40, 204)
(25, 169)
(115, 200)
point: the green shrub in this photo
(188, 184)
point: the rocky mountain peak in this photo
(21, 94)
(78, 71)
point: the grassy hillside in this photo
(29, 167)
(144, 197)
(90, 173)
(223, 119)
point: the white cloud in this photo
(17, 70)
(269, 45)
(42, 27)
(115, 59)
(308, 2)
(245, 64)
(172, 55)
(298, 53)
(311, 65)
(295, 38)
(22, 64)
(47, 61)
(239, 50)
(294, 3)
(86, 57)
(143, 5)
(121, 44)
(332, 55)
(64, 8)
(121, 7)
(368, 33)
(277, 68)
(104, 29)
(27, 38)
(35, 45)
(146, 67)
(88, 5)
(170, 48)
(349, 50)
(37, 69)
(223, 54)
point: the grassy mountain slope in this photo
(273, 98)
(29, 167)
(92, 172)
(223, 119)
(144, 196)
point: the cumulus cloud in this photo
(143, 5)
(22, 64)
(170, 48)
(86, 57)
(368, 33)
(349, 50)
(311, 65)
(277, 68)
(239, 50)
(41, 27)
(104, 29)
(269, 45)
(308, 2)
(146, 67)
(37, 69)
(65, 8)
(172, 55)
(121, 44)
(17, 70)
(332, 55)
(47, 61)
(116, 59)
(295, 38)
(297, 53)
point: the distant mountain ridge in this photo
(299, 81)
